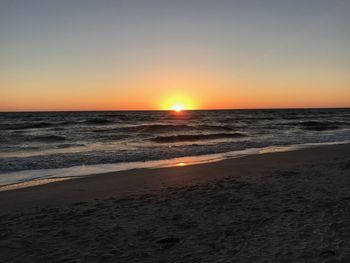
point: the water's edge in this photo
(30, 178)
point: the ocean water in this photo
(47, 144)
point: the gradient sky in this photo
(147, 54)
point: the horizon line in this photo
(218, 109)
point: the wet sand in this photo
(276, 207)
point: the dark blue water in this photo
(46, 140)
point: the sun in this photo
(177, 102)
(178, 107)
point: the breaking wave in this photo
(197, 137)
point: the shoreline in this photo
(144, 179)
(76, 172)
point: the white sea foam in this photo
(28, 178)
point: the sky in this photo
(154, 54)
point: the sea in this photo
(42, 145)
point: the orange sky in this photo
(192, 89)
(216, 55)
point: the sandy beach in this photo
(276, 207)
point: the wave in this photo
(157, 128)
(321, 126)
(174, 127)
(186, 116)
(197, 137)
(98, 121)
(121, 117)
(113, 137)
(69, 145)
(47, 138)
(215, 127)
(26, 125)
(36, 125)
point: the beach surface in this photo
(275, 207)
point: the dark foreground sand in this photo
(279, 207)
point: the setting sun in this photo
(177, 101)
(178, 107)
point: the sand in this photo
(276, 207)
